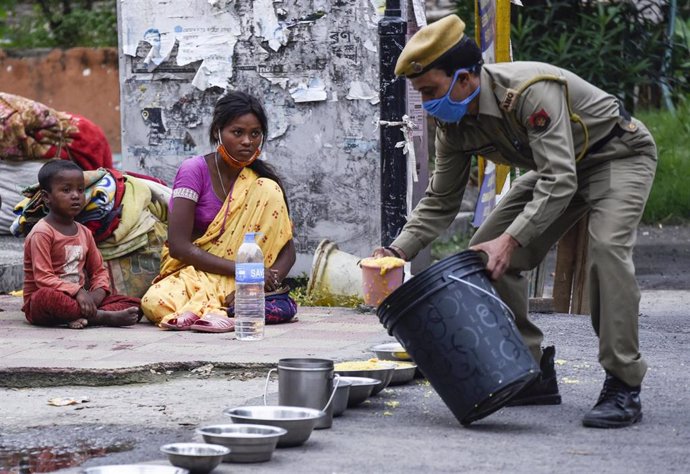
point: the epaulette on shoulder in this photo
(511, 96)
(510, 99)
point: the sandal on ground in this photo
(181, 323)
(214, 323)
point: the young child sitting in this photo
(61, 257)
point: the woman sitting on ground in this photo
(217, 198)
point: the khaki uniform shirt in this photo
(531, 131)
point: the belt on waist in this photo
(616, 131)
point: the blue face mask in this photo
(446, 109)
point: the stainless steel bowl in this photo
(390, 351)
(298, 421)
(403, 373)
(342, 393)
(134, 469)
(247, 443)
(383, 373)
(197, 457)
(360, 389)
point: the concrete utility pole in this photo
(392, 29)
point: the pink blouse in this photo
(193, 182)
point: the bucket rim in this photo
(318, 266)
(400, 299)
(368, 264)
(512, 387)
(305, 363)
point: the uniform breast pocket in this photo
(636, 138)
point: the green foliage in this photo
(681, 57)
(299, 293)
(444, 248)
(59, 24)
(6, 9)
(303, 298)
(669, 201)
(465, 10)
(621, 46)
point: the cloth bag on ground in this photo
(280, 307)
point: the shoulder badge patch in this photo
(509, 100)
(540, 120)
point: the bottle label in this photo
(249, 273)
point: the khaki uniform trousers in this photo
(614, 194)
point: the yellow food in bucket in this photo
(384, 263)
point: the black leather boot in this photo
(544, 391)
(618, 406)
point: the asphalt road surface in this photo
(406, 429)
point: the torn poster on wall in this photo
(174, 25)
(314, 66)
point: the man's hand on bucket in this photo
(499, 251)
(390, 251)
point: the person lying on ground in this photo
(217, 198)
(60, 257)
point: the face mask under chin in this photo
(232, 161)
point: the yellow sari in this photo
(254, 205)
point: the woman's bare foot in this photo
(80, 323)
(125, 317)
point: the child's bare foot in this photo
(80, 323)
(125, 317)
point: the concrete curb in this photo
(30, 377)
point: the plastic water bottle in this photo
(249, 291)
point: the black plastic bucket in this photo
(453, 324)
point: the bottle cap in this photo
(249, 237)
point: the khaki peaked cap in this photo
(428, 44)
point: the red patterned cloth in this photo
(30, 130)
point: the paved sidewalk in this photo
(31, 355)
(38, 356)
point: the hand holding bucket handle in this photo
(389, 251)
(498, 254)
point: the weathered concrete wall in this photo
(314, 65)
(83, 81)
